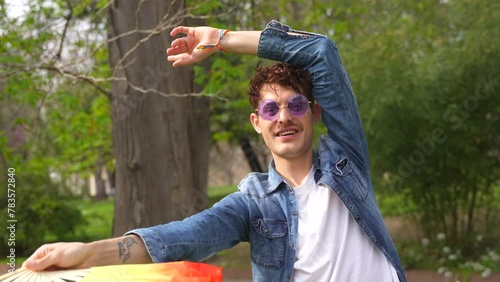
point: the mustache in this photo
(286, 125)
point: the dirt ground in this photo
(235, 275)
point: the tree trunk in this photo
(250, 155)
(160, 140)
(100, 186)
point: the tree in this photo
(427, 79)
(52, 63)
(160, 135)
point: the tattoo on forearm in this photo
(124, 248)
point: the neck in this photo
(294, 171)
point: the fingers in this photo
(178, 46)
(179, 42)
(180, 29)
(180, 54)
(29, 262)
(41, 259)
(179, 60)
(183, 50)
(40, 264)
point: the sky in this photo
(15, 7)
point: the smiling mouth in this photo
(287, 132)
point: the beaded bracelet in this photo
(211, 46)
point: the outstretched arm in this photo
(120, 250)
(183, 50)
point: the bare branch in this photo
(163, 25)
(95, 82)
(67, 68)
(77, 76)
(65, 30)
(171, 95)
(105, 7)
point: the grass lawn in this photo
(99, 216)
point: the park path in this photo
(235, 275)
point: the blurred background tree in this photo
(83, 91)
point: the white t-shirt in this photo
(331, 246)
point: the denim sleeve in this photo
(200, 236)
(331, 85)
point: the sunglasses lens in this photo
(298, 105)
(268, 109)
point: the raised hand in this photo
(183, 50)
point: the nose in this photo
(284, 114)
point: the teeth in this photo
(288, 132)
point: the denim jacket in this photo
(264, 210)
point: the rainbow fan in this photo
(167, 272)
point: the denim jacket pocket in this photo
(352, 178)
(268, 242)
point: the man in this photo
(313, 217)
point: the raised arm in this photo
(120, 250)
(331, 85)
(317, 53)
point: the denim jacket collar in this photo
(275, 178)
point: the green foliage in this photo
(229, 121)
(82, 133)
(390, 205)
(52, 65)
(216, 194)
(66, 119)
(433, 253)
(432, 113)
(40, 209)
(98, 218)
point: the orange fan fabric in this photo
(182, 271)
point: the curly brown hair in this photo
(283, 74)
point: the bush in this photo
(40, 209)
(436, 254)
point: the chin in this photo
(288, 154)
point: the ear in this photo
(254, 118)
(316, 112)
